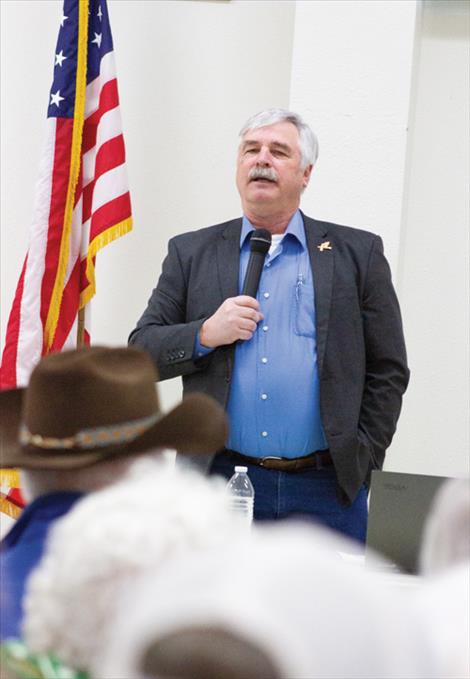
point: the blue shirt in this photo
(20, 552)
(274, 402)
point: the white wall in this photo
(351, 79)
(433, 274)
(189, 75)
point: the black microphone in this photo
(260, 243)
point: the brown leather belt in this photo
(317, 460)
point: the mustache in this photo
(263, 173)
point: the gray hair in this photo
(307, 139)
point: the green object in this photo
(18, 663)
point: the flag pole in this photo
(81, 327)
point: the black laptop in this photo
(398, 507)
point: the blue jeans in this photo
(307, 494)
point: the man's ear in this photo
(307, 173)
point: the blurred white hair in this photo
(446, 538)
(307, 139)
(109, 538)
(312, 615)
(442, 603)
(443, 600)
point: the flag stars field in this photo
(56, 98)
(59, 58)
(97, 39)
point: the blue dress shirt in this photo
(274, 402)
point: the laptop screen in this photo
(398, 508)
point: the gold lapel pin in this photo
(324, 246)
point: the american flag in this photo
(82, 204)
(82, 198)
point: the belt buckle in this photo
(268, 457)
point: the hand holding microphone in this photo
(237, 317)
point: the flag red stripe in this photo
(111, 213)
(10, 352)
(68, 308)
(109, 99)
(60, 181)
(111, 155)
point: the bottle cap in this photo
(241, 469)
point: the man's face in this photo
(272, 151)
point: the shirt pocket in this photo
(304, 316)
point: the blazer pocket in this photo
(364, 443)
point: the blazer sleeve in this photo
(387, 373)
(163, 330)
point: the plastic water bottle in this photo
(241, 495)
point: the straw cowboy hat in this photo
(89, 405)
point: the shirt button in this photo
(265, 328)
(264, 396)
(264, 359)
(266, 295)
(264, 434)
(268, 264)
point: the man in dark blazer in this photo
(312, 372)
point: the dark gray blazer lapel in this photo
(228, 258)
(322, 261)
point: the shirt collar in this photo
(294, 228)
